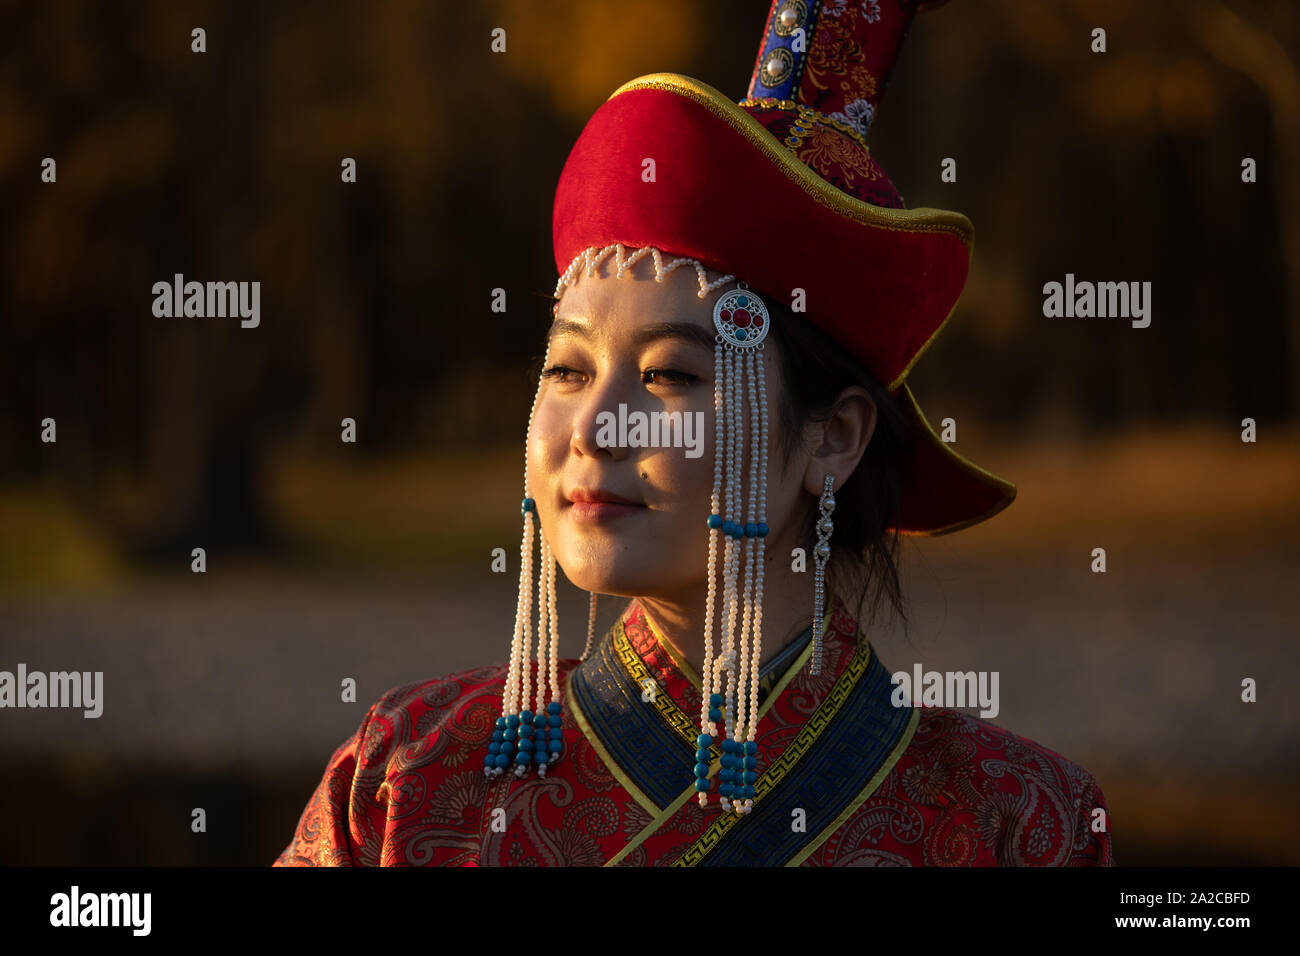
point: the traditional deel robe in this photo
(844, 777)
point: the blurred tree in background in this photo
(375, 296)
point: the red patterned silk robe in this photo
(845, 778)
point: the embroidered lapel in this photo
(629, 709)
(836, 761)
(837, 758)
(633, 724)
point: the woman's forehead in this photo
(636, 298)
(638, 289)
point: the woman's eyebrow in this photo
(687, 331)
(567, 327)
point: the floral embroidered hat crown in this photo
(780, 190)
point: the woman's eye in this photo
(667, 376)
(560, 373)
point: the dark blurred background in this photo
(371, 560)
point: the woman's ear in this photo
(841, 439)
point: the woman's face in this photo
(647, 346)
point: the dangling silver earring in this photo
(821, 554)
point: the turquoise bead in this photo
(701, 785)
(715, 714)
(751, 747)
(553, 707)
(762, 530)
(704, 740)
(715, 521)
(715, 700)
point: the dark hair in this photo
(863, 568)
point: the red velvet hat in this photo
(781, 190)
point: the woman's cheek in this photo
(693, 479)
(545, 449)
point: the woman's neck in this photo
(787, 613)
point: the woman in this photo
(736, 280)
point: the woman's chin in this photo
(601, 581)
(602, 570)
(615, 576)
(611, 563)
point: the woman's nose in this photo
(596, 419)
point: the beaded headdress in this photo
(730, 678)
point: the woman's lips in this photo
(594, 512)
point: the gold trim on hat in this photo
(923, 219)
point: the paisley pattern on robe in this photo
(844, 777)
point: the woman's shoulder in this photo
(415, 736)
(461, 707)
(1028, 801)
(438, 692)
(956, 739)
